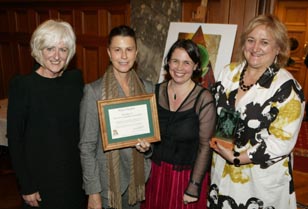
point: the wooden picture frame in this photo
(125, 120)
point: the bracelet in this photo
(236, 160)
(194, 182)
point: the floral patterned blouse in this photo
(271, 113)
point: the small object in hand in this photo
(185, 202)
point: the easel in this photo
(207, 78)
(200, 15)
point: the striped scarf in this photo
(136, 187)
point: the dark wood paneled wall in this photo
(91, 20)
(237, 12)
(294, 14)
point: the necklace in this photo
(174, 93)
(242, 85)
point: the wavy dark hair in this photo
(193, 52)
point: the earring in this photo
(276, 59)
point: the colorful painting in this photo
(215, 42)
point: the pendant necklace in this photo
(174, 93)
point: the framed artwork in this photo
(215, 41)
(124, 120)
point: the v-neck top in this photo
(186, 132)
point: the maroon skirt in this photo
(165, 189)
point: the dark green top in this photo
(43, 136)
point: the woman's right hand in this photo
(142, 145)
(95, 201)
(32, 199)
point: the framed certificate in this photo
(124, 120)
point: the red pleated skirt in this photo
(165, 189)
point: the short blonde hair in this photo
(49, 34)
(278, 31)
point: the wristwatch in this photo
(236, 160)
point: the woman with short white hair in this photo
(43, 122)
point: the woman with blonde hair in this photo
(270, 104)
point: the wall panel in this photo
(66, 15)
(91, 60)
(89, 19)
(25, 61)
(21, 20)
(7, 65)
(92, 20)
(41, 15)
(4, 21)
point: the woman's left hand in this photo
(188, 199)
(142, 145)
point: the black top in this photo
(186, 132)
(43, 137)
